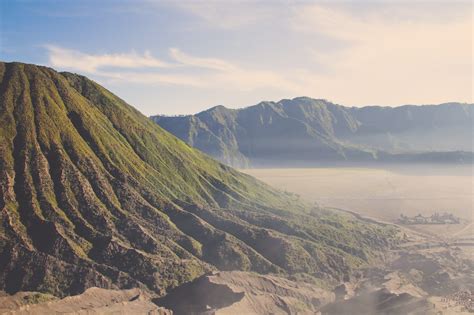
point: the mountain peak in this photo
(93, 193)
(215, 108)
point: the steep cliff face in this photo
(92, 193)
(305, 131)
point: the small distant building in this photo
(436, 218)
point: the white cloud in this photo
(185, 69)
(73, 59)
(207, 63)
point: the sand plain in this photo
(385, 192)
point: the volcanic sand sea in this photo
(385, 192)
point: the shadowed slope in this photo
(92, 193)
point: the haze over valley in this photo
(384, 193)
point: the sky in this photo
(182, 57)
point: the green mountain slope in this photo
(93, 193)
(305, 131)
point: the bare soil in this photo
(92, 301)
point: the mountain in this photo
(93, 193)
(308, 131)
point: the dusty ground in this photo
(92, 301)
(236, 292)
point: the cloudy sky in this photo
(175, 57)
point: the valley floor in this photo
(386, 193)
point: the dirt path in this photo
(465, 229)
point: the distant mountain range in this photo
(305, 131)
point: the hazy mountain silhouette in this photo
(305, 130)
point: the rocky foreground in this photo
(421, 276)
(437, 280)
(92, 301)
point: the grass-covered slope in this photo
(92, 193)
